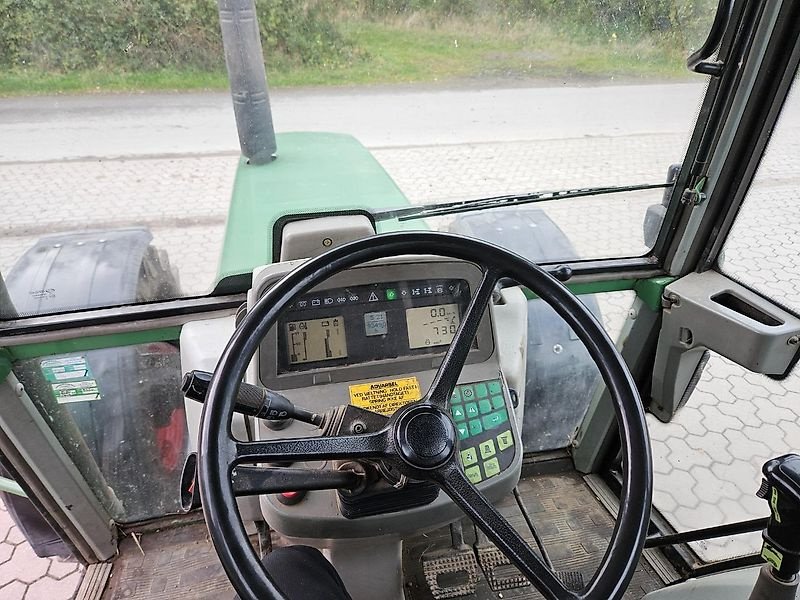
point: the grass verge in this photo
(405, 52)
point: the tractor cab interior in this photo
(523, 395)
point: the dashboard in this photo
(378, 321)
(373, 337)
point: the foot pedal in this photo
(499, 571)
(502, 575)
(572, 580)
(451, 573)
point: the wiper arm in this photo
(461, 206)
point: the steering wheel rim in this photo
(219, 452)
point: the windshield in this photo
(121, 175)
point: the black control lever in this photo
(252, 400)
(778, 580)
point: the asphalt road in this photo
(55, 128)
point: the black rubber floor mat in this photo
(173, 563)
(571, 522)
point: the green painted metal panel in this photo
(92, 342)
(651, 290)
(593, 287)
(314, 172)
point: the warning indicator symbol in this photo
(373, 297)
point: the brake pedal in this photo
(503, 575)
(499, 571)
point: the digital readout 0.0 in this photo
(311, 340)
(432, 325)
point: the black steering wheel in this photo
(420, 439)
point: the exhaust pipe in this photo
(245, 61)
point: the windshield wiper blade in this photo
(408, 213)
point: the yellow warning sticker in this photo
(385, 397)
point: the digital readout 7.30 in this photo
(432, 325)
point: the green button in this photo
(487, 449)
(481, 391)
(463, 432)
(469, 457)
(491, 468)
(471, 410)
(495, 419)
(498, 402)
(505, 440)
(391, 294)
(475, 427)
(473, 474)
(456, 397)
(467, 392)
(484, 406)
(495, 387)
(457, 412)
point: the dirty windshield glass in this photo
(121, 174)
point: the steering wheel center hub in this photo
(425, 437)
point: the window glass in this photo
(762, 250)
(119, 414)
(707, 461)
(121, 190)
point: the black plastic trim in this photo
(714, 107)
(142, 314)
(698, 60)
(754, 130)
(146, 314)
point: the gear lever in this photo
(778, 579)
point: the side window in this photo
(708, 460)
(119, 414)
(763, 248)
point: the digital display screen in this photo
(312, 340)
(375, 323)
(432, 325)
(368, 322)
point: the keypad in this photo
(480, 411)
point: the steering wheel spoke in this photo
(340, 447)
(447, 376)
(250, 481)
(456, 485)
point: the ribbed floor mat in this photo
(574, 528)
(177, 563)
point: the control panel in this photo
(486, 441)
(378, 321)
(373, 338)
